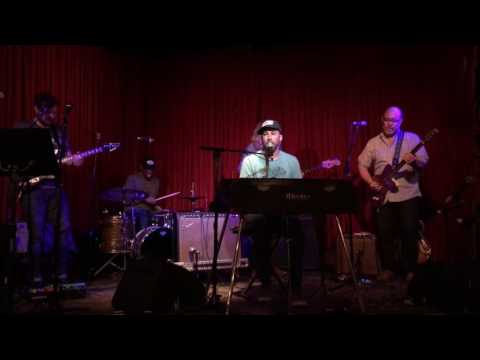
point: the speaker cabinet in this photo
(195, 234)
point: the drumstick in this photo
(167, 196)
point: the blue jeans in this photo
(142, 217)
(41, 207)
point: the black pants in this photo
(263, 230)
(397, 229)
(41, 207)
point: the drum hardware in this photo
(119, 235)
(115, 229)
(164, 218)
(124, 196)
(193, 200)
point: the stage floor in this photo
(379, 299)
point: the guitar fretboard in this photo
(84, 154)
(417, 147)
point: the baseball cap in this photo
(270, 125)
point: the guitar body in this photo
(387, 180)
(32, 182)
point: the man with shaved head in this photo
(398, 217)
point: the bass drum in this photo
(156, 241)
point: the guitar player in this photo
(40, 203)
(397, 217)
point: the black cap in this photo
(269, 125)
(148, 164)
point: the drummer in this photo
(145, 181)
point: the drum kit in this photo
(118, 235)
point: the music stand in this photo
(288, 197)
(24, 153)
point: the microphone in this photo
(2, 95)
(147, 139)
(68, 108)
(359, 123)
(269, 149)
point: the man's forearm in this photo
(365, 175)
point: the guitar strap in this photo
(396, 157)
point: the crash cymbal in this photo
(123, 195)
(192, 198)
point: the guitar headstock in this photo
(430, 134)
(110, 147)
(330, 163)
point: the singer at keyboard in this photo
(271, 162)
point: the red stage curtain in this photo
(215, 97)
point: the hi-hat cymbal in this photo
(192, 198)
(123, 195)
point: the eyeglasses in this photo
(395, 120)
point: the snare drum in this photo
(154, 239)
(111, 234)
(163, 219)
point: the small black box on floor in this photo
(152, 285)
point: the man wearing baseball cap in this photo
(145, 181)
(262, 228)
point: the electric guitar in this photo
(388, 178)
(109, 147)
(325, 164)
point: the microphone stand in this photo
(93, 234)
(216, 154)
(267, 154)
(347, 173)
(352, 138)
(59, 201)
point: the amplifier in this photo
(195, 238)
(364, 254)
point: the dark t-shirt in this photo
(56, 134)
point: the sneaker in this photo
(265, 294)
(298, 301)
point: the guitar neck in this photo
(83, 154)
(413, 152)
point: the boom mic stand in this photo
(216, 154)
(347, 173)
(59, 200)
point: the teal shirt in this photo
(285, 167)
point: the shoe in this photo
(298, 301)
(265, 294)
(410, 277)
(385, 276)
(409, 301)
